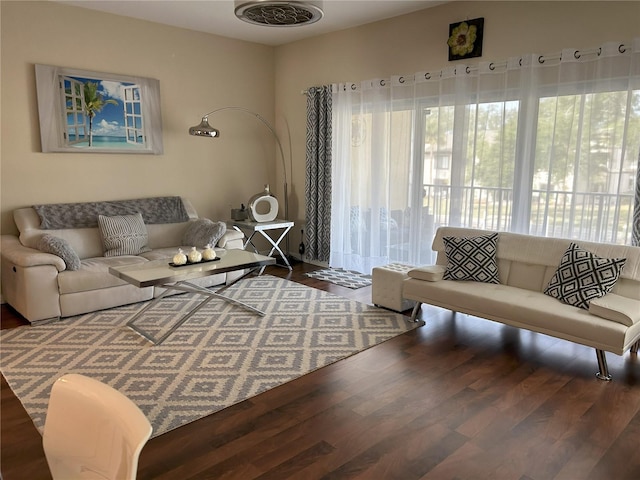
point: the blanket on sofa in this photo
(85, 215)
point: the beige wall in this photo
(417, 42)
(200, 72)
(197, 73)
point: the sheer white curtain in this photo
(541, 144)
(367, 179)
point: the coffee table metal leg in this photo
(131, 323)
(217, 293)
(190, 288)
(184, 318)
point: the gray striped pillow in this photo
(123, 235)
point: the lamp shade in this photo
(203, 129)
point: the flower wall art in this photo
(465, 39)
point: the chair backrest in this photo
(92, 431)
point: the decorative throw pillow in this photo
(123, 235)
(203, 232)
(583, 276)
(472, 258)
(60, 247)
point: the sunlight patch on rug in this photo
(220, 356)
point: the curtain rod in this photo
(577, 54)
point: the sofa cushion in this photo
(203, 232)
(520, 308)
(166, 235)
(61, 248)
(123, 234)
(94, 274)
(617, 308)
(583, 276)
(472, 258)
(86, 242)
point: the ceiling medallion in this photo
(273, 13)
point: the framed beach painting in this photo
(84, 111)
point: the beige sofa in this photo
(526, 264)
(41, 287)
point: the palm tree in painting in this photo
(94, 102)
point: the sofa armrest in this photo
(429, 273)
(18, 254)
(617, 308)
(232, 239)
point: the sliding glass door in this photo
(539, 145)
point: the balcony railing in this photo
(595, 217)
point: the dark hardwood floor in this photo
(459, 398)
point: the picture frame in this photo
(465, 39)
(82, 111)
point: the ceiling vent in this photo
(273, 13)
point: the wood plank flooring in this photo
(459, 398)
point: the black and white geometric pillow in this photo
(472, 258)
(583, 276)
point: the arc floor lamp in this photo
(203, 129)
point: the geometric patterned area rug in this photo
(344, 278)
(222, 355)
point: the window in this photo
(581, 186)
(541, 145)
(75, 131)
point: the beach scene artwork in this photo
(94, 112)
(103, 114)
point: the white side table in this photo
(250, 229)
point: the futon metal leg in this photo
(603, 373)
(634, 347)
(415, 311)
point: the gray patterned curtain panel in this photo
(318, 173)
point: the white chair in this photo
(92, 431)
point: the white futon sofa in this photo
(41, 286)
(526, 264)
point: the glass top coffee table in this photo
(160, 273)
